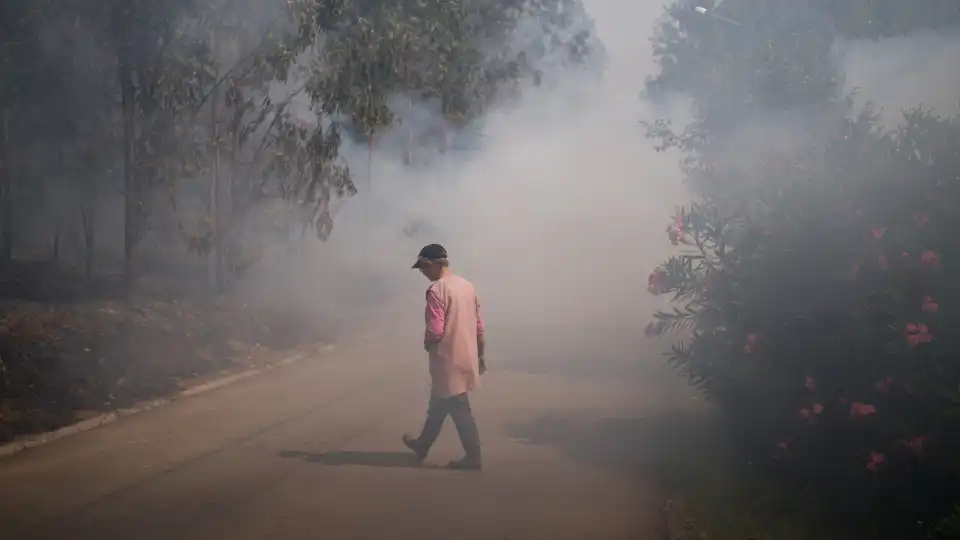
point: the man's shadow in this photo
(363, 459)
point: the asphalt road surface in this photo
(313, 451)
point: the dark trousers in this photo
(458, 408)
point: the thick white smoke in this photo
(905, 72)
(557, 210)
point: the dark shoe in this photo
(465, 464)
(414, 445)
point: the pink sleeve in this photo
(480, 325)
(436, 314)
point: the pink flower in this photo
(917, 334)
(929, 306)
(916, 444)
(854, 269)
(884, 385)
(676, 231)
(883, 262)
(751, 345)
(810, 385)
(657, 282)
(676, 236)
(921, 219)
(876, 460)
(817, 408)
(860, 410)
(878, 232)
(906, 254)
(805, 413)
(783, 445)
(930, 258)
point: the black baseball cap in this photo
(431, 252)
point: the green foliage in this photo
(950, 526)
(777, 57)
(815, 275)
(305, 159)
(460, 53)
(348, 60)
(820, 307)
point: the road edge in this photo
(18, 445)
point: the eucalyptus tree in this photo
(156, 77)
(348, 61)
(460, 53)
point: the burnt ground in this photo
(70, 349)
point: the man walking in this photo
(454, 341)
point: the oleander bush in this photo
(822, 303)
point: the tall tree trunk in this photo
(408, 151)
(216, 250)
(89, 207)
(229, 209)
(6, 188)
(58, 219)
(55, 245)
(130, 191)
(88, 218)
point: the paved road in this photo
(312, 451)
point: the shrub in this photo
(821, 302)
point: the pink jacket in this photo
(453, 325)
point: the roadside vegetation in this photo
(816, 277)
